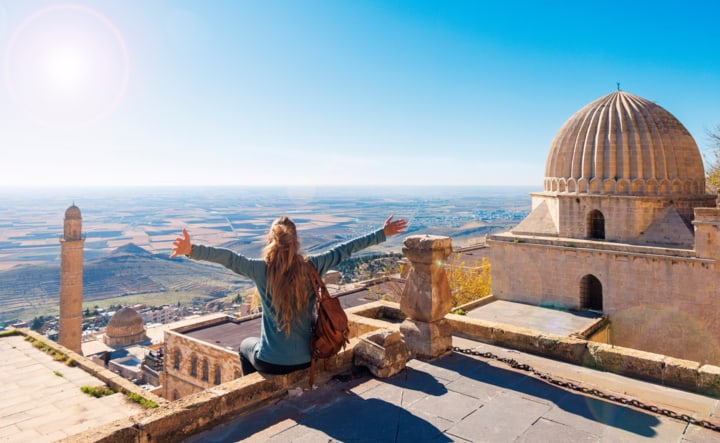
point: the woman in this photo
(285, 293)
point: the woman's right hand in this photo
(393, 227)
(182, 245)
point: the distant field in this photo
(236, 218)
(155, 299)
(32, 221)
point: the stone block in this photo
(516, 337)
(563, 348)
(384, 353)
(682, 374)
(427, 340)
(709, 380)
(471, 328)
(628, 361)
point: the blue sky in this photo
(116, 93)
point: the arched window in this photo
(596, 225)
(176, 359)
(175, 395)
(217, 375)
(591, 293)
(193, 366)
(205, 370)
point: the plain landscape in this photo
(129, 234)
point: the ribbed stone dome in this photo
(124, 328)
(625, 145)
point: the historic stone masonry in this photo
(71, 280)
(623, 227)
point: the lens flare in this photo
(66, 66)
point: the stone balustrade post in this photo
(426, 298)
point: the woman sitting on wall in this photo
(285, 293)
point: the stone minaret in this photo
(71, 280)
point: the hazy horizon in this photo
(239, 216)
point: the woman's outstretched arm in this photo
(323, 262)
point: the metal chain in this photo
(589, 391)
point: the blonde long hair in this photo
(286, 273)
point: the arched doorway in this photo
(591, 296)
(596, 225)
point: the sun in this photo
(66, 66)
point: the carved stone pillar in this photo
(426, 298)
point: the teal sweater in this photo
(275, 346)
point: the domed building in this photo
(125, 328)
(623, 227)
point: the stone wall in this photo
(179, 379)
(626, 217)
(175, 421)
(656, 301)
(665, 370)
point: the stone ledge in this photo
(598, 246)
(175, 421)
(656, 368)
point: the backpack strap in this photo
(311, 378)
(316, 282)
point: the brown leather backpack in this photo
(330, 329)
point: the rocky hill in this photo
(127, 270)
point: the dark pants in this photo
(250, 363)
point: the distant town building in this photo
(624, 227)
(164, 314)
(71, 280)
(125, 328)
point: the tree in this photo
(468, 283)
(37, 323)
(713, 169)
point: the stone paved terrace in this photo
(41, 400)
(537, 318)
(466, 398)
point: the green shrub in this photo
(141, 400)
(97, 391)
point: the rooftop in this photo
(41, 400)
(457, 397)
(469, 398)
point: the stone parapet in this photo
(656, 368)
(580, 244)
(175, 421)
